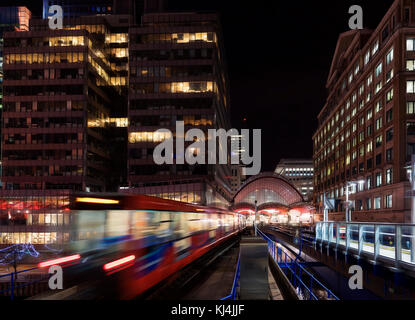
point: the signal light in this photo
(114, 264)
(53, 262)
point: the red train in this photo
(136, 241)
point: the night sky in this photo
(279, 55)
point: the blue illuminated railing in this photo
(296, 271)
(232, 296)
(13, 284)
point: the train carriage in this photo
(138, 241)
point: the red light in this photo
(58, 261)
(119, 262)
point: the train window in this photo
(118, 223)
(139, 224)
(90, 225)
(193, 222)
(164, 224)
(153, 219)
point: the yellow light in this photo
(97, 200)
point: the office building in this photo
(300, 173)
(177, 73)
(366, 129)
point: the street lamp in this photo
(348, 184)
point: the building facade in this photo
(366, 129)
(62, 93)
(81, 106)
(300, 173)
(11, 18)
(177, 74)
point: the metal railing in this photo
(296, 273)
(380, 241)
(232, 296)
(14, 284)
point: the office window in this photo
(378, 179)
(389, 155)
(410, 86)
(389, 76)
(389, 135)
(410, 65)
(377, 202)
(389, 96)
(369, 130)
(369, 147)
(375, 48)
(378, 87)
(389, 115)
(369, 114)
(369, 80)
(410, 44)
(350, 78)
(368, 204)
(369, 182)
(367, 57)
(389, 56)
(388, 176)
(378, 141)
(379, 123)
(388, 201)
(410, 107)
(369, 164)
(378, 69)
(378, 159)
(378, 106)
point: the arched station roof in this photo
(269, 189)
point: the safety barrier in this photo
(296, 273)
(232, 296)
(386, 241)
(14, 284)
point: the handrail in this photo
(13, 285)
(352, 236)
(371, 223)
(232, 296)
(312, 278)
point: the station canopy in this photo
(271, 191)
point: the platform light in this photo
(97, 200)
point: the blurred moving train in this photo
(137, 241)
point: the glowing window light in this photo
(119, 262)
(97, 200)
(59, 261)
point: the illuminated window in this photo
(410, 65)
(389, 56)
(378, 69)
(377, 202)
(388, 201)
(135, 137)
(410, 44)
(375, 48)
